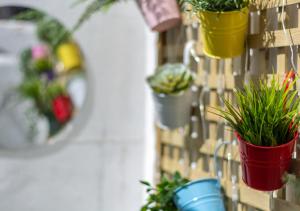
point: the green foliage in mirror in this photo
(49, 30)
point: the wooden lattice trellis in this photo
(191, 153)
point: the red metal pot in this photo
(263, 168)
(160, 15)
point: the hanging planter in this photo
(69, 55)
(266, 122)
(40, 52)
(263, 168)
(172, 95)
(62, 108)
(204, 194)
(160, 15)
(223, 26)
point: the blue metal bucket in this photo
(200, 195)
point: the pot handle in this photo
(218, 172)
(187, 52)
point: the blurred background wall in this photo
(100, 167)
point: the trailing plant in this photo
(171, 79)
(25, 63)
(34, 89)
(160, 197)
(217, 5)
(42, 94)
(30, 15)
(53, 90)
(42, 65)
(32, 68)
(264, 115)
(52, 32)
(92, 8)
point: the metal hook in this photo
(219, 146)
(190, 50)
(289, 37)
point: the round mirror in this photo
(43, 83)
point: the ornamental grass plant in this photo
(217, 5)
(265, 114)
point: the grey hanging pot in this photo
(173, 111)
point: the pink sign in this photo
(160, 15)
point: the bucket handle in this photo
(218, 172)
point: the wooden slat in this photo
(274, 39)
(269, 52)
(281, 205)
(267, 4)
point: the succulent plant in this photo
(171, 79)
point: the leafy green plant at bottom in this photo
(160, 197)
(264, 115)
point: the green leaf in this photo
(145, 183)
(93, 7)
(161, 197)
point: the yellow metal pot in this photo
(223, 34)
(70, 56)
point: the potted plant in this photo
(51, 100)
(69, 55)
(223, 26)
(265, 122)
(180, 194)
(61, 104)
(172, 95)
(161, 196)
(202, 194)
(160, 15)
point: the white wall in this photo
(100, 168)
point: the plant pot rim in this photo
(163, 95)
(193, 182)
(240, 139)
(244, 9)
